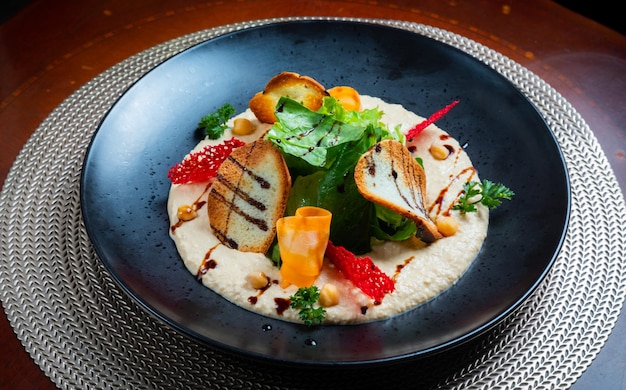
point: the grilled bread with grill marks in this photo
(388, 175)
(247, 197)
(302, 89)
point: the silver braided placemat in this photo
(84, 332)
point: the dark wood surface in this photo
(51, 48)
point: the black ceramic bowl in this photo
(125, 187)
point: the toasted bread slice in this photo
(247, 197)
(388, 175)
(303, 89)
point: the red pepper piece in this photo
(361, 271)
(203, 165)
(431, 119)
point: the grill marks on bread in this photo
(388, 175)
(247, 197)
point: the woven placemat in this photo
(84, 332)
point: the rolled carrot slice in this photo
(348, 97)
(302, 240)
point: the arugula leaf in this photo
(214, 124)
(486, 193)
(304, 300)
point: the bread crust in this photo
(303, 89)
(247, 197)
(388, 175)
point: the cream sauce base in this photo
(421, 272)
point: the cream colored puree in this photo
(420, 271)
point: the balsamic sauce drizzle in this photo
(207, 263)
(254, 298)
(196, 205)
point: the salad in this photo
(351, 188)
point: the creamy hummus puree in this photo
(420, 271)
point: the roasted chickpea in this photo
(447, 225)
(439, 151)
(242, 126)
(329, 295)
(186, 213)
(257, 280)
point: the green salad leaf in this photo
(314, 136)
(321, 149)
(391, 226)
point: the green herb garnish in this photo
(487, 193)
(304, 300)
(214, 124)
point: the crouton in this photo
(388, 175)
(247, 197)
(303, 89)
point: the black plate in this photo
(124, 187)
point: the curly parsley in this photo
(487, 193)
(214, 124)
(304, 300)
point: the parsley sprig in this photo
(214, 124)
(487, 193)
(304, 300)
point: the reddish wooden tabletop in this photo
(51, 48)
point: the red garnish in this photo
(361, 271)
(431, 119)
(202, 165)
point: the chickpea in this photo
(257, 280)
(329, 295)
(186, 213)
(447, 225)
(242, 126)
(438, 151)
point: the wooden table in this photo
(51, 48)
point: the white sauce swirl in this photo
(421, 272)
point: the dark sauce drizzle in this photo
(255, 298)
(438, 203)
(207, 264)
(335, 127)
(400, 267)
(196, 205)
(282, 304)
